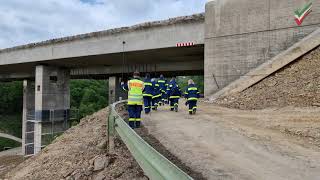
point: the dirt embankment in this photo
(298, 84)
(8, 162)
(80, 153)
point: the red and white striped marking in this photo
(185, 44)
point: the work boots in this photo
(176, 107)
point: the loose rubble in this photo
(80, 154)
(298, 84)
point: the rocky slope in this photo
(80, 153)
(298, 84)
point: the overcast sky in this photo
(27, 21)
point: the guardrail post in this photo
(111, 131)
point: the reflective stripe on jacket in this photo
(163, 85)
(173, 90)
(135, 96)
(148, 88)
(192, 93)
(156, 89)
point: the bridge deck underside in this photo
(170, 61)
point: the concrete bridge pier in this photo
(46, 104)
(52, 104)
(28, 127)
(115, 91)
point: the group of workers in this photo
(152, 92)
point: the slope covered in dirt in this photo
(80, 154)
(298, 84)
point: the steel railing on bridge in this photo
(154, 165)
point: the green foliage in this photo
(11, 97)
(88, 96)
(8, 143)
(11, 124)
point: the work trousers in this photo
(164, 97)
(173, 102)
(192, 105)
(147, 104)
(134, 115)
(155, 101)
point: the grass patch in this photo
(4, 143)
(11, 124)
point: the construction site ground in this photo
(223, 143)
(269, 131)
(9, 159)
(216, 143)
(297, 84)
(80, 154)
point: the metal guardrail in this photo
(154, 165)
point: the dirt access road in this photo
(224, 143)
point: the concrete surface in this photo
(254, 76)
(11, 152)
(168, 60)
(116, 93)
(231, 144)
(144, 45)
(167, 68)
(28, 108)
(242, 34)
(52, 102)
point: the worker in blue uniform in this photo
(135, 99)
(156, 94)
(174, 94)
(163, 88)
(147, 94)
(192, 95)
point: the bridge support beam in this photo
(115, 91)
(52, 104)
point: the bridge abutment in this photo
(240, 35)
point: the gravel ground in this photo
(155, 143)
(80, 153)
(228, 144)
(9, 162)
(298, 84)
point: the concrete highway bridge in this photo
(224, 43)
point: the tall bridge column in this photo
(115, 91)
(52, 104)
(27, 127)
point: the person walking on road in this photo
(135, 89)
(156, 94)
(174, 94)
(147, 94)
(192, 95)
(163, 88)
